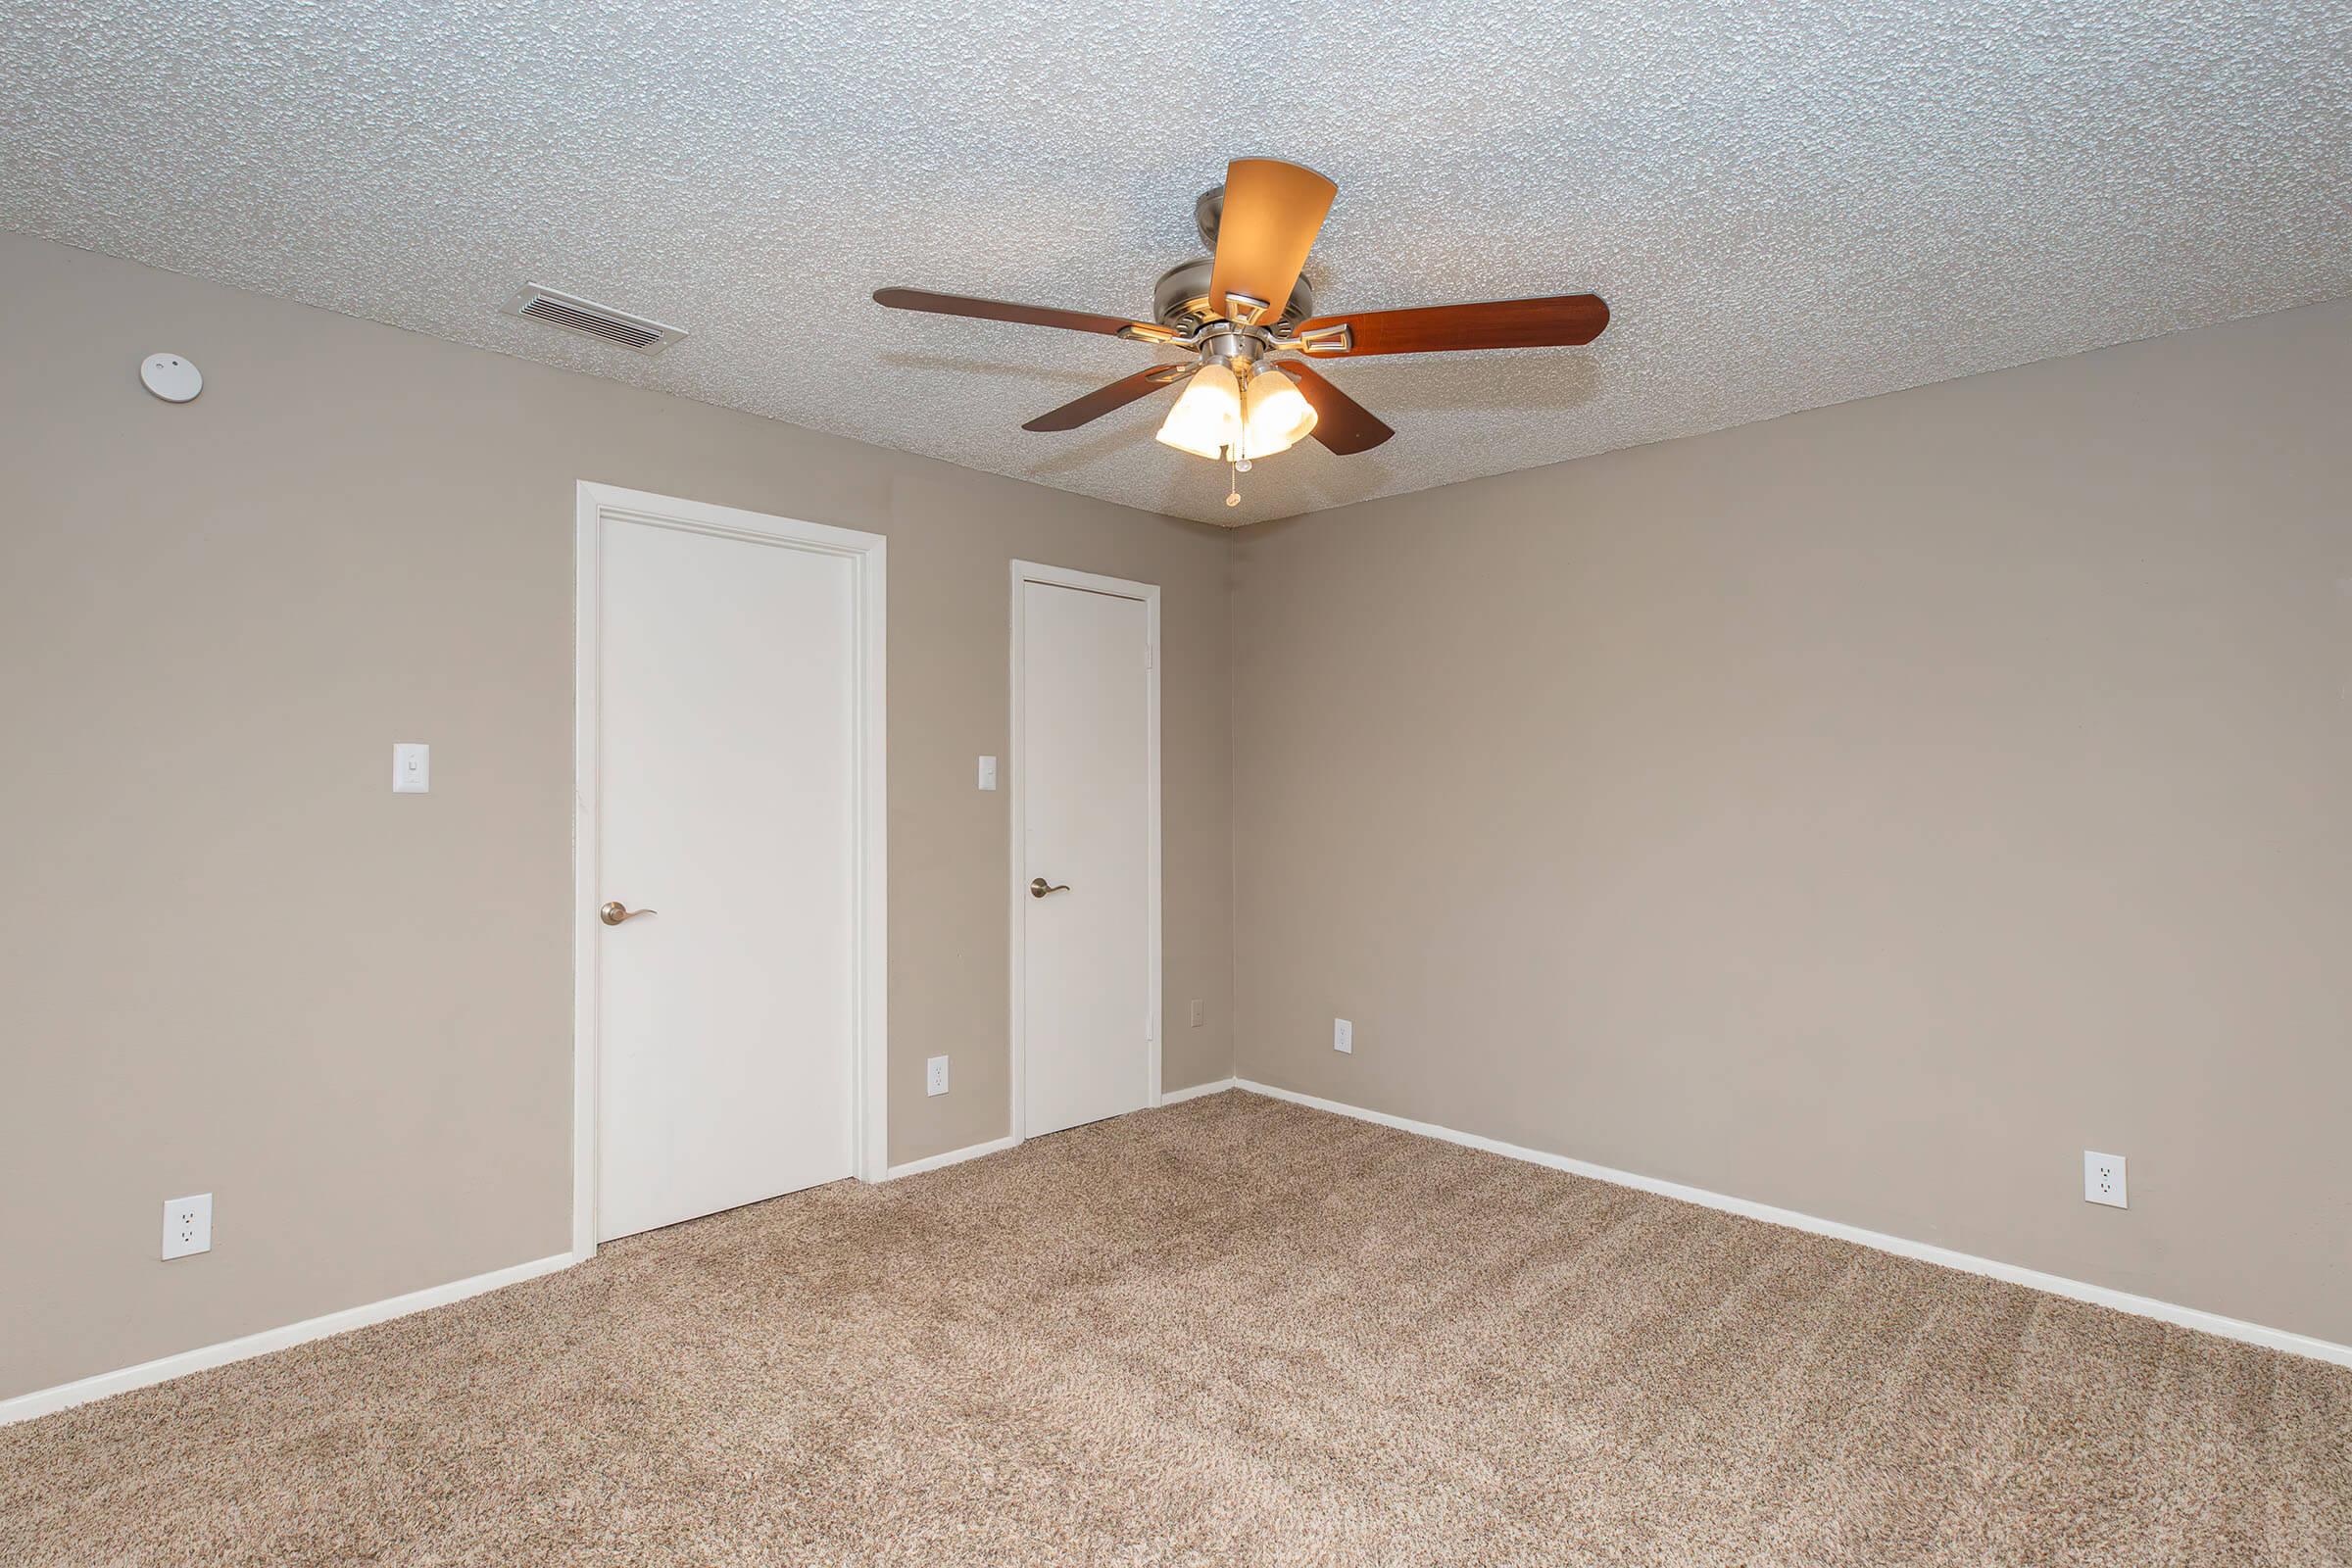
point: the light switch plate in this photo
(2103, 1180)
(411, 768)
(1196, 1015)
(1343, 1036)
(988, 772)
(187, 1225)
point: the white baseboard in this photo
(953, 1157)
(2229, 1328)
(42, 1402)
(1177, 1096)
(998, 1145)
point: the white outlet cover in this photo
(2103, 1180)
(935, 1076)
(1343, 1036)
(187, 1225)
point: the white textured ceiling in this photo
(1784, 205)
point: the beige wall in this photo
(238, 964)
(1862, 812)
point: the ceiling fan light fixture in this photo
(1274, 415)
(1249, 298)
(1206, 420)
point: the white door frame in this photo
(869, 1141)
(1028, 571)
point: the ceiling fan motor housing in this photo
(1180, 299)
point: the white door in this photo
(1084, 762)
(727, 748)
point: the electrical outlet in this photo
(187, 1225)
(935, 1077)
(1343, 1036)
(1195, 1013)
(2103, 1180)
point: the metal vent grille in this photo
(576, 315)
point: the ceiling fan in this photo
(1246, 303)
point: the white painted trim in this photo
(1025, 571)
(43, 1402)
(953, 1157)
(1177, 1096)
(2189, 1317)
(998, 1145)
(868, 555)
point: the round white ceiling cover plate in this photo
(172, 377)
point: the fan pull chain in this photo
(1236, 457)
(1241, 448)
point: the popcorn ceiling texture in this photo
(1787, 206)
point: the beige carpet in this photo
(1234, 1331)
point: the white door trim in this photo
(1026, 571)
(870, 936)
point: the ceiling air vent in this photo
(577, 315)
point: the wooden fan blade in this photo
(1272, 212)
(1095, 404)
(1341, 422)
(915, 299)
(1557, 322)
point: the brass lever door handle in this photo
(615, 912)
(1039, 887)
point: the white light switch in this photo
(411, 768)
(988, 772)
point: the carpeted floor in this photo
(1234, 1331)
